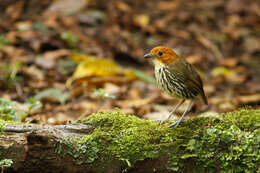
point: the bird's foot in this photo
(156, 120)
(166, 119)
(162, 121)
(175, 124)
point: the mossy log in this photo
(115, 142)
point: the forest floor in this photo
(61, 60)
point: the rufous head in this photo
(163, 54)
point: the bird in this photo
(177, 77)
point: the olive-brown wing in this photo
(189, 77)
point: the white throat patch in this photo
(157, 64)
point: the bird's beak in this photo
(148, 56)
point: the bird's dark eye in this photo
(160, 53)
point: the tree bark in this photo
(32, 147)
(123, 143)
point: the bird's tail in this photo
(204, 98)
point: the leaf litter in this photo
(90, 57)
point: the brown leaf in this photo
(133, 103)
(210, 45)
(15, 11)
(194, 59)
(168, 5)
(15, 54)
(33, 72)
(229, 62)
(235, 6)
(45, 63)
(253, 98)
(67, 7)
(56, 54)
(112, 88)
(122, 6)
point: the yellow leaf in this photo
(221, 71)
(90, 66)
(95, 67)
(129, 74)
(142, 20)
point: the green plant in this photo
(9, 111)
(14, 111)
(226, 143)
(5, 163)
(2, 126)
(52, 93)
(66, 67)
(71, 39)
(33, 104)
(8, 73)
(3, 40)
(103, 94)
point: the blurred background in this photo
(64, 59)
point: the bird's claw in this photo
(162, 121)
(175, 124)
(156, 120)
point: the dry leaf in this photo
(142, 20)
(221, 71)
(67, 7)
(133, 103)
(253, 98)
(33, 72)
(16, 9)
(90, 66)
(168, 5)
(229, 62)
(56, 54)
(122, 6)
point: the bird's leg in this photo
(173, 111)
(185, 112)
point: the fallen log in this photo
(115, 142)
(32, 147)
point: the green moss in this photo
(247, 120)
(119, 137)
(2, 126)
(3, 123)
(9, 111)
(229, 143)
